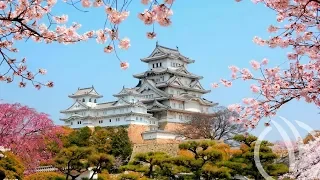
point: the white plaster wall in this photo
(192, 106)
(149, 136)
(158, 135)
(185, 81)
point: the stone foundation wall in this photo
(171, 149)
(172, 127)
(134, 133)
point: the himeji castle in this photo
(166, 96)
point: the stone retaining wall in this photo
(171, 149)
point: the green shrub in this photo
(45, 176)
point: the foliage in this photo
(131, 176)
(45, 176)
(11, 165)
(120, 143)
(95, 149)
(22, 20)
(79, 138)
(152, 159)
(104, 176)
(215, 127)
(196, 159)
(26, 133)
(207, 159)
(246, 164)
(100, 161)
(72, 161)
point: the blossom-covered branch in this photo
(21, 20)
(297, 77)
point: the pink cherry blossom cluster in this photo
(25, 132)
(297, 78)
(21, 20)
(307, 164)
(159, 13)
(282, 148)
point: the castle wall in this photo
(172, 127)
(169, 147)
(134, 133)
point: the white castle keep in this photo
(167, 95)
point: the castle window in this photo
(90, 100)
(152, 65)
(95, 100)
(71, 123)
(109, 120)
(137, 118)
(180, 117)
(141, 119)
(174, 105)
(83, 100)
(160, 64)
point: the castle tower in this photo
(171, 93)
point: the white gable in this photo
(156, 52)
(183, 70)
(146, 89)
(120, 102)
(197, 85)
(77, 106)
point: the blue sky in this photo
(214, 33)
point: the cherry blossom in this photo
(124, 65)
(108, 49)
(124, 43)
(35, 20)
(307, 164)
(25, 132)
(151, 35)
(295, 78)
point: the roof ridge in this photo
(168, 48)
(106, 102)
(86, 88)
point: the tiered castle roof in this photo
(81, 92)
(162, 52)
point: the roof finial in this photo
(92, 86)
(177, 48)
(78, 88)
(123, 87)
(157, 44)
